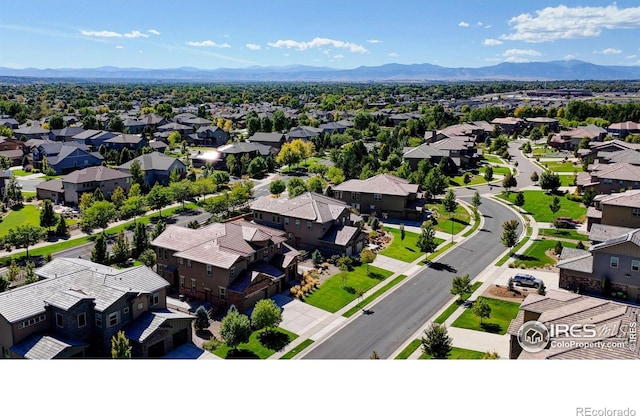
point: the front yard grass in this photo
(333, 294)
(563, 166)
(455, 305)
(535, 255)
(537, 204)
(493, 159)
(409, 349)
(459, 354)
(566, 180)
(254, 348)
(502, 312)
(460, 219)
(563, 233)
(497, 170)
(21, 172)
(296, 350)
(458, 180)
(402, 250)
(28, 214)
(375, 296)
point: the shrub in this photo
(574, 197)
(345, 263)
(542, 289)
(510, 284)
(580, 245)
(212, 344)
(558, 248)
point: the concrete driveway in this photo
(550, 279)
(297, 316)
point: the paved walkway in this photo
(391, 264)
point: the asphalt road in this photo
(398, 316)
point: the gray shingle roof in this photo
(602, 232)
(95, 173)
(153, 161)
(149, 322)
(245, 147)
(308, 206)
(631, 237)
(384, 184)
(424, 151)
(44, 347)
(340, 235)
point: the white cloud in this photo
(374, 41)
(608, 51)
(571, 56)
(393, 55)
(208, 43)
(463, 24)
(119, 47)
(110, 34)
(317, 43)
(338, 56)
(632, 56)
(140, 51)
(153, 32)
(562, 22)
(488, 27)
(253, 46)
(479, 24)
(521, 52)
(492, 42)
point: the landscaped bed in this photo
(502, 312)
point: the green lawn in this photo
(28, 214)
(566, 180)
(535, 255)
(459, 354)
(438, 252)
(502, 312)
(375, 296)
(27, 194)
(409, 349)
(537, 204)
(255, 346)
(460, 219)
(332, 295)
(20, 172)
(492, 159)
(563, 233)
(507, 256)
(455, 305)
(497, 170)
(294, 351)
(458, 180)
(402, 250)
(563, 166)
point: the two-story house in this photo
(384, 195)
(608, 178)
(65, 157)
(209, 136)
(616, 260)
(613, 215)
(77, 306)
(233, 263)
(570, 139)
(275, 140)
(313, 221)
(88, 180)
(156, 167)
(132, 142)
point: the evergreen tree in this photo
(140, 239)
(202, 319)
(120, 346)
(48, 217)
(62, 230)
(121, 248)
(99, 253)
(137, 176)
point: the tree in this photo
(289, 155)
(56, 122)
(181, 191)
(232, 164)
(204, 186)
(277, 187)
(116, 124)
(315, 184)
(140, 239)
(558, 248)
(118, 197)
(235, 328)
(14, 270)
(148, 257)
(402, 233)
(460, 285)
(295, 187)
(316, 257)
(509, 236)
(519, 201)
(99, 253)
(29, 273)
(436, 341)
(427, 239)
(466, 178)
(367, 256)
(555, 205)
(158, 197)
(534, 176)
(13, 192)
(481, 309)
(5, 162)
(488, 173)
(202, 319)
(4, 283)
(509, 181)
(435, 183)
(266, 314)
(476, 201)
(121, 248)
(48, 217)
(24, 236)
(450, 205)
(62, 229)
(137, 176)
(98, 215)
(588, 196)
(550, 181)
(120, 346)
(86, 200)
(257, 167)
(98, 195)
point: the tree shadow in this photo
(375, 275)
(274, 340)
(410, 249)
(491, 327)
(204, 333)
(241, 354)
(442, 266)
(459, 221)
(349, 289)
(523, 257)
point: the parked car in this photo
(564, 223)
(522, 279)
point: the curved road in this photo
(398, 316)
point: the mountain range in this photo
(530, 71)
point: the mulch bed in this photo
(503, 293)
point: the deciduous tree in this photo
(24, 236)
(48, 217)
(266, 314)
(277, 187)
(367, 256)
(509, 236)
(235, 328)
(427, 239)
(481, 309)
(436, 341)
(461, 285)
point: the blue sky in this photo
(340, 34)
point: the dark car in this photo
(564, 223)
(522, 279)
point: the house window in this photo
(232, 271)
(377, 197)
(607, 181)
(286, 220)
(114, 318)
(275, 218)
(59, 320)
(160, 269)
(182, 282)
(279, 245)
(309, 225)
(209, 270)
(193, 285)
(635, 212)
(180, 261)
(82, 320)
(222, 292)
(154, 299)
(189, 262)
(614, 262)
(337, 194)
(297, 223)
(355, 196)
(140, 305)
(125, 310)
(372, 207)
(98, 320)
(635, 265)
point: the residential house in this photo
(384, 196)
(13, 149)
(312, 221)
(209, 136)
(537, 122)
(608, 178)
(65, 135)
(51, 190)
(180, 128)
(616, 260)
(133, 125)
(132, 142)
(303, 132)
(624, 129)
(64, 157)
(510, 125)
(33, 131)
(460, 150)
(606, 148)
(9, 122)
(413, 155)
(233, 263)
(332, 127)
(629, 156)
(202, 158)
(89, 179)
(156, 167)
(610, 320)
(93, 138)
(617, 209)
(77, 306)
(240, 149)
(570, 139)
(275, 140)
